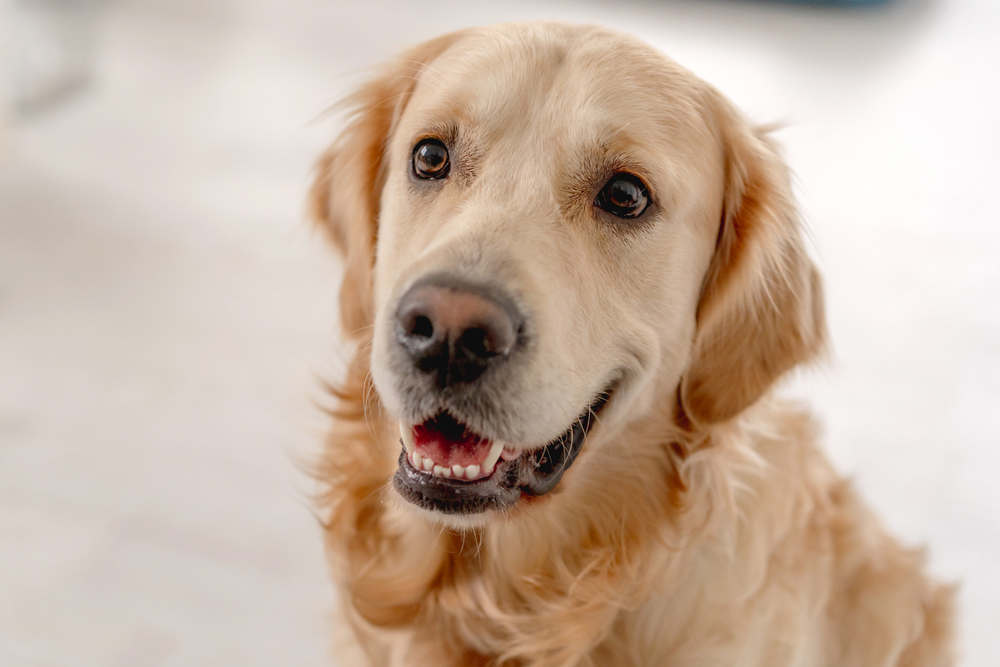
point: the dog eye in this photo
(624, 195)
(430, 159)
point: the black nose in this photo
(455, 331)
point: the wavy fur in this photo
(705, 528)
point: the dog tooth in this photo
(488, 470)
(428, 464)
(439, 471)
(415, 459)
(406, 435)
(472, 472)
(458, 470)
(493, 456)
(509, 454)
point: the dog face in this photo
(549, 232)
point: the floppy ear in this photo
(347, 185)
(761, 309)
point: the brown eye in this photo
(624, 195)
(430, 159)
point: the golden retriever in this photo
(573, 272)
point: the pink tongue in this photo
(448, 444)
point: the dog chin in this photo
(455, 522)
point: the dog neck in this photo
(573, 560)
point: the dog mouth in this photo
(446, 467)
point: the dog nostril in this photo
(421, 327)
(475, 342)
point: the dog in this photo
(573, 273)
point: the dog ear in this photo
(761, 309)
(347, 184)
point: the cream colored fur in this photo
(700, 524)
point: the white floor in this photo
(165, 313)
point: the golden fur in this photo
(701, 525)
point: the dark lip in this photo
(534, 473)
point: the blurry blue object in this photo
(845, 3)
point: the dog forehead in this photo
(553, 75)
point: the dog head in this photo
(549, 232)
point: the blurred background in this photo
(166, 313)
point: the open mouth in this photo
(446, 467)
